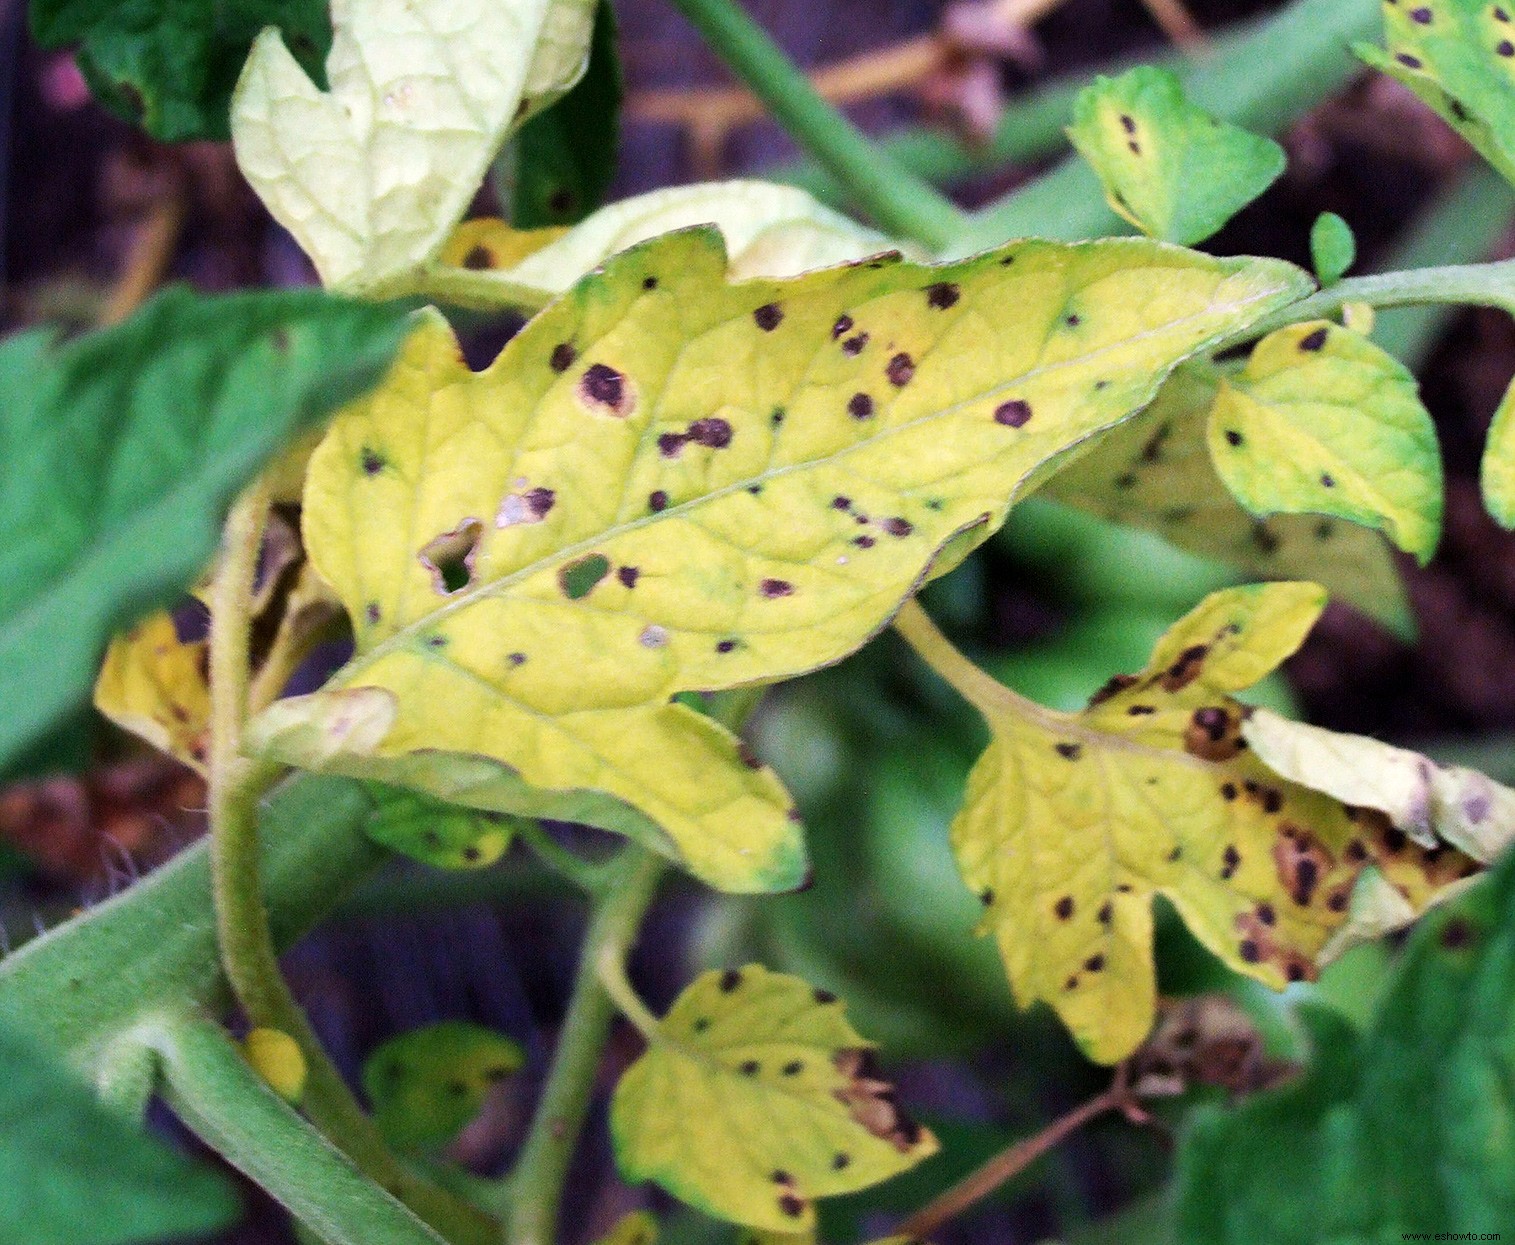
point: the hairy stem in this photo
(1010, 1163)
(247, 946)
(897, 200)
(535, 1188)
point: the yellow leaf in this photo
(637, 1228)
(1074, 822)
(277, 1058)
(668, 482)
(154, 685)
(426, 1085)
(756, 1097)
(1321, 421)
(770, 231)
(1498, 473)
(560, 57)
(1154, 472)
(371, 176)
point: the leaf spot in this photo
(901, 370)
(1313, 341)
(450, 556)
(532, 506)
(372, 461)
(603, 388)
(653, 636)
(773, 588)
(1064, 908)
(843, 325)
(563, 356)
(657, 500)
(853, 346)
(1015, 413)
(943, 295)
(860, 406)
(1069, 752)
(768, 317)
(628, 576)
(579, 577)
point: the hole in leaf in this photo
(450, 556)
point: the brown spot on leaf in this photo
(853, 346)
(1212, 734)
(1313, 341)
(773, 588)
(943, 295)
(713, 433)
(768, 317)
(657, 500)
(860, 406)
(371, 461)
(871, 1102)
(843, 325)
(1063, 908)
(901, 370)
(628, 575)
(563, 357)
(898, 526)
(1015, 413)
(1116, 684)
(605, 389)
(1185, 668)
(478, 259)
(1069, 752)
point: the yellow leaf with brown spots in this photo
(1154, 472)
(754, 1098)
(153, 684)
(1073, 823)
(673, 482)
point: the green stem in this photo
(1473, 285)
(986, 694)
(898, 201)
(584, 874)
(247, 946)
(227, 1104)
(535, 1189)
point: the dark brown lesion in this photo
(871, 1101)
(1185, 669)
(1213, 733)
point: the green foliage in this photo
(1405, 1129)
(1333, 247)
(116, 439)
(1168, 167)
(565, 156)
(426, 1085)
(170, 65)
(73, 1173)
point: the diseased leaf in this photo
(437, 833)
(72, 1173)
(1333, 248)
(565, 157)
(1073, 822)
(637, 1228)
(170, 65)
(1431, 803)
(1406, 1130)
(770, 231)
(1321, 421)
(153, 684)
(1459, 57)
(371, 176)
(426, 1085)
(1154, 472)
(754, 1098)
(118, 438)
(670, 483)
(1169, 167)
(1498, 472)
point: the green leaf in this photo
(170, 65)
(426, 1085)
(754, 1098)
(1321, 421)
(435, 833)
(1497, 476)
(1333, 248)
(669, 482)
(1405, 1130)
(1074, 822)
(1458, 56)
(770, 231)
(1154, 472)
(72, 1173)
(1169, 167)
(565, 156)
(371, 177)
(122, 450)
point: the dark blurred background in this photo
(875, 751)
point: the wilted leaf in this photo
(170, 65)
(1459, 57)
(426, 1085)
(1169, 167)
(565, 158)
(371, 176)
(72, 1173)
(1498, 474)
(1333, 248)
(116, 439)
(770, 231)
(153, 684)
(1073, 822)
(437, 833)
(754, 1098)
(670, 483)
(1154, 472)
(1405, 1130)
(1321, 421)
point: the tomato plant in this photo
(740, 436)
